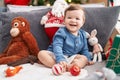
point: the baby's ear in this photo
(93, 32)
(87, 34)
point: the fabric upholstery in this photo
(103, 19)
(33, 17)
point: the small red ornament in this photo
(75, 70)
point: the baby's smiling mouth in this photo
(72, 24)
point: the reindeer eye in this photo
(16, 24)
(23, 23)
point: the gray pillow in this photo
(3, 9)
(103, 19)
(33, 17)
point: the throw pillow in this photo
(33, 17)
(103, 19)
(3, 9)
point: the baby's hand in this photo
(64, 65)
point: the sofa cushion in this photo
(33, 17)
(102, 19)
(3, 9)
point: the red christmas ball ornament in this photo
(75, 70)
(57, 69)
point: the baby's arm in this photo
(85, 51)
(58, 43)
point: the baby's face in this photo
(74, 20)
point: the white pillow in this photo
(18, 8)
(102, 4)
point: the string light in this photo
(69, 1)
(48, 4)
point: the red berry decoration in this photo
(75, 70)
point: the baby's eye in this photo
(69, 17)
(77, 18)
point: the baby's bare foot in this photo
(91, 63)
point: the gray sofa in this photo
(103, 19)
